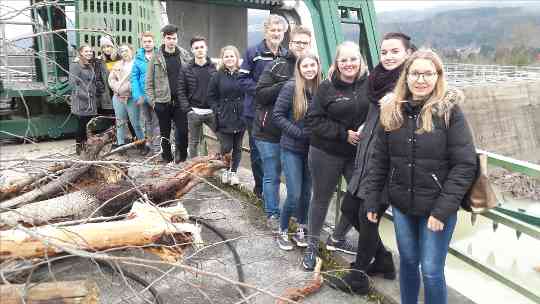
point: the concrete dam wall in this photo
(505, 118)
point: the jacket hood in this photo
(453, 97)
(140, 54)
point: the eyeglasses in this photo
(300, 43)
(428, 76)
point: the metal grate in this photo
(461, 74)
(124, 18)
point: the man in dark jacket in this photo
(266, 134)
(192, 93)
(255, 60)
(162, 87)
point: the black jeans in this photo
(256, 162)
(167, 112)
(80, 134)
(369, 241)
(232, 142)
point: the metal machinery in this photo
(33, 99)
(34, 80)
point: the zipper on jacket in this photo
(392, 175)
(264, 119)
(436, 179)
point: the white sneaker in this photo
(233, 178)
(225, 177)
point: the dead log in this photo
(298, 294)
(116, 197)
(68, 292)
(73, 205)
(145, 225)
(14, 187)
(120, 196)
(94, 146)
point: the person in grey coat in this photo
(85, 89)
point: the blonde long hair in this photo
(347, 45)
(391, 110)
(300, 103)
(221, 66)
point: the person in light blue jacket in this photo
(138, 76)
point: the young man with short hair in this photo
(192, 93)
(138, 79)
(161, 89)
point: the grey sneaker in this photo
(273, 223)
(344, 246)
(283, 241)
(310, 258)
(300, 237)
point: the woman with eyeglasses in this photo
(339, 109)
(125, 108)
(395, 48)
(424, 153)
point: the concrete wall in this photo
(222, 25)
(505, 118)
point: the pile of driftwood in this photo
(91, 204)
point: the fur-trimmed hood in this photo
(443, 108)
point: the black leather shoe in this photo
(354, 282)
(383, 265)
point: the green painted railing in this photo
(499, 216)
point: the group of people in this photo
(396, 133)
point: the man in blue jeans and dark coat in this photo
(255, 60)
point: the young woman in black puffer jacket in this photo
(225, 98)
(289, 115)
(424, 153)
(395, 48)
(339, 109)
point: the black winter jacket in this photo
(225, 97)
(189, 84)
(428, 174)
(270, 83)
(337, 107)
(294, 135)
(364, 149)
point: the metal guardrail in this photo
(461, 74)
(498, 217)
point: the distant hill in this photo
(475, 27)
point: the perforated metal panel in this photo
(124, 19)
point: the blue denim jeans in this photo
(271, 165)
(123, 112)
(419, 246)
(298, 181)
